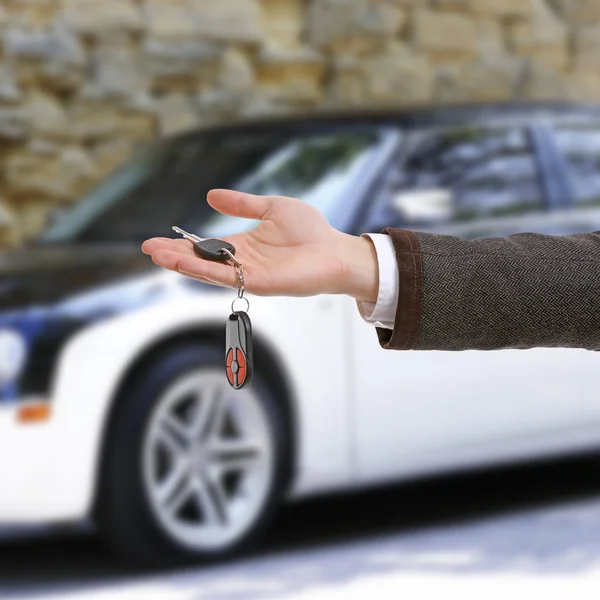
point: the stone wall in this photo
(82, 82)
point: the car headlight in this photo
(13, 354)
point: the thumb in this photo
(239, 204)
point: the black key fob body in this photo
(238, 356)
(212, 249)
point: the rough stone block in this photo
(178, 65)
(577, 12)
(490, 37)
(217, 105)
(457, 5)
(544, 37)
(294, 77)
(142, 102)
(176, 113)
(236, 72)
(259, 106)
(54, 56)
(7, 215)
(586, 47)
(444, 34)
(60, 177)
(138, 126)
(53, 45)
(398, 77)
(583, 86)
(13, 123)
(46, 117)
(164, 3)
(115, 70)
(300, 55)
(169, 22)
(334, 24)
(485, 79)
(295, 92)
(347, 84)
(228, 20)
(541, 82)
(31, 217)
(93, 17)
(34, 14)
(503, 8)
(92, 121)
(404, 3)
(283, 22)
(44, 146)
(9, 89)
(107, 156)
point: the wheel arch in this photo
(266, 362)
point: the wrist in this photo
(360, 268)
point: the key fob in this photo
(238, 357)
(212, 249)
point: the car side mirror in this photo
(424, 205)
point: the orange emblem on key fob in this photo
(238, 356)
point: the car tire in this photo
(193, 470)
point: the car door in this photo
(578, 144)
(423, 410)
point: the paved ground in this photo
(526, 532)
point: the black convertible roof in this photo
(409, 117)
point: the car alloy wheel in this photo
(208, 460)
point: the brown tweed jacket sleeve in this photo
(522, 291)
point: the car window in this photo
(462, 174)
(314, 169)
(581, 147)
(167, 184)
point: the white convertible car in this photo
(114, 403)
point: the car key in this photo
(208, 248)
(238, 356)
(238, 333)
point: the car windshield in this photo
(166, 184)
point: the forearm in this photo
(521, 291)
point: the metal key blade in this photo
(209, 248)
(186, 235)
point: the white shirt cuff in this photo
(383, 313)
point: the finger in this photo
(239, 204)
(203, 280)
(215, 273)
(219, 274)
(179, 245)
(164, 242)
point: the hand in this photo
(292, 252)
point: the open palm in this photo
(292, 252)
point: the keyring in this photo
(233, 259)
(240, 298)
(239, 269)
